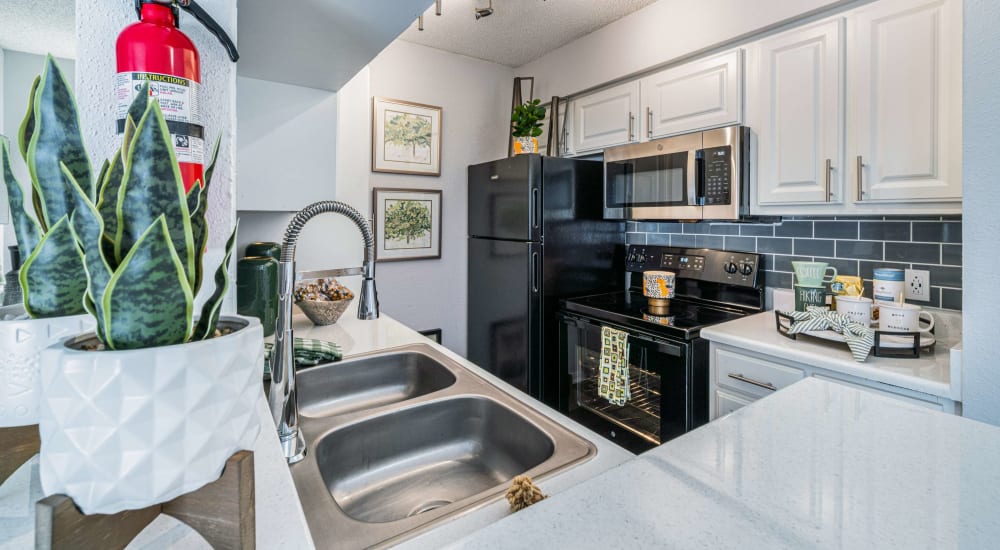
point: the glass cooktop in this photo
(681, 317)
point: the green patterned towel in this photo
(859, 338)
(307, 353)
(614, 366)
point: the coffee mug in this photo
(813, 273)
(857, 308)
(659, 284)
(903, 317)
(806, 296)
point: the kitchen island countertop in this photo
(281, 523)
(816, 465)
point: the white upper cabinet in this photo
(795, 104)
(693, 96)
(904, 100)
(605, 118)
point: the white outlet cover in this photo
(917, 285)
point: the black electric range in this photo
(668, 360)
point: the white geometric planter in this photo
(123, 430)
(21, 342)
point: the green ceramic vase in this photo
(263, 249)
(257, 290)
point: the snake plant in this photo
(127, 247)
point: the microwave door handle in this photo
(699, 162)
(694, 184)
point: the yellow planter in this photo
(525, 145)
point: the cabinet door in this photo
(694, 96)
(795, 103)
(905, 108)
(605, 118)
(726, 402)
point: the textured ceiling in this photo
(519, 30)
(39, 26)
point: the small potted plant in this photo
(52, 276)
(152, 404)
(526, 121)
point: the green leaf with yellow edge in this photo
(56, 139)
(25, 228)
(53, 277)
(148, 301)
(28, 124)
(213, 306)
(107, 196)
(152, 187)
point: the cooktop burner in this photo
(681, 317)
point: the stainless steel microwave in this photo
(696, 176)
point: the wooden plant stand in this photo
(222, 512)
(18, 445)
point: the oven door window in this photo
(658, 408)
(660, 180)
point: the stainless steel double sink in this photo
(401, 440)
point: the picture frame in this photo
(406, 137)
(433, 334)
(407, 224)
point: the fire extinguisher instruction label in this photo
(179, 100)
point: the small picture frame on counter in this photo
(433, 334)
(407, 224)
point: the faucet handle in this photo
(328, 273)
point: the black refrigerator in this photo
(536, 235)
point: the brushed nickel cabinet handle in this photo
(631, 126)
(829, 168)
(861, 179)
(765, 385)
(649, 122)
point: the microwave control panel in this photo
(718, 175)
(741, 269)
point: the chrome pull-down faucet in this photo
(283, 398)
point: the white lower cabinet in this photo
(738, 377)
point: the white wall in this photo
(287, 141)
(658, 34)
(475, 97)
(981, 187)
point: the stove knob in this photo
(746, 269)
(731, 268)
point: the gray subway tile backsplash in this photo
(861, 250)
(854, 245)
(925, 253)
(815, 247)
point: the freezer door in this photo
(505, 199)
(504, 316)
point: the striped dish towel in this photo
(859, 338)
(614, 366)
(308, 352)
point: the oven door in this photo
(656, 180)
(660, 380)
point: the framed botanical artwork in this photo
(407, 224)
(406, 137)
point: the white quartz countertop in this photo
(816, 465)
(931, 374)
(280, 519)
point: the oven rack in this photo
(640, 415)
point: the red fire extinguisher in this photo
(155, 50)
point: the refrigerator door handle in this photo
(535, 272)
(533, 208)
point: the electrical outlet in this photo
(918, 285)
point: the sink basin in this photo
(402, 440)
(418, 459)
(369, 382)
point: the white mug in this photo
(902, 317)
(857, 308)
